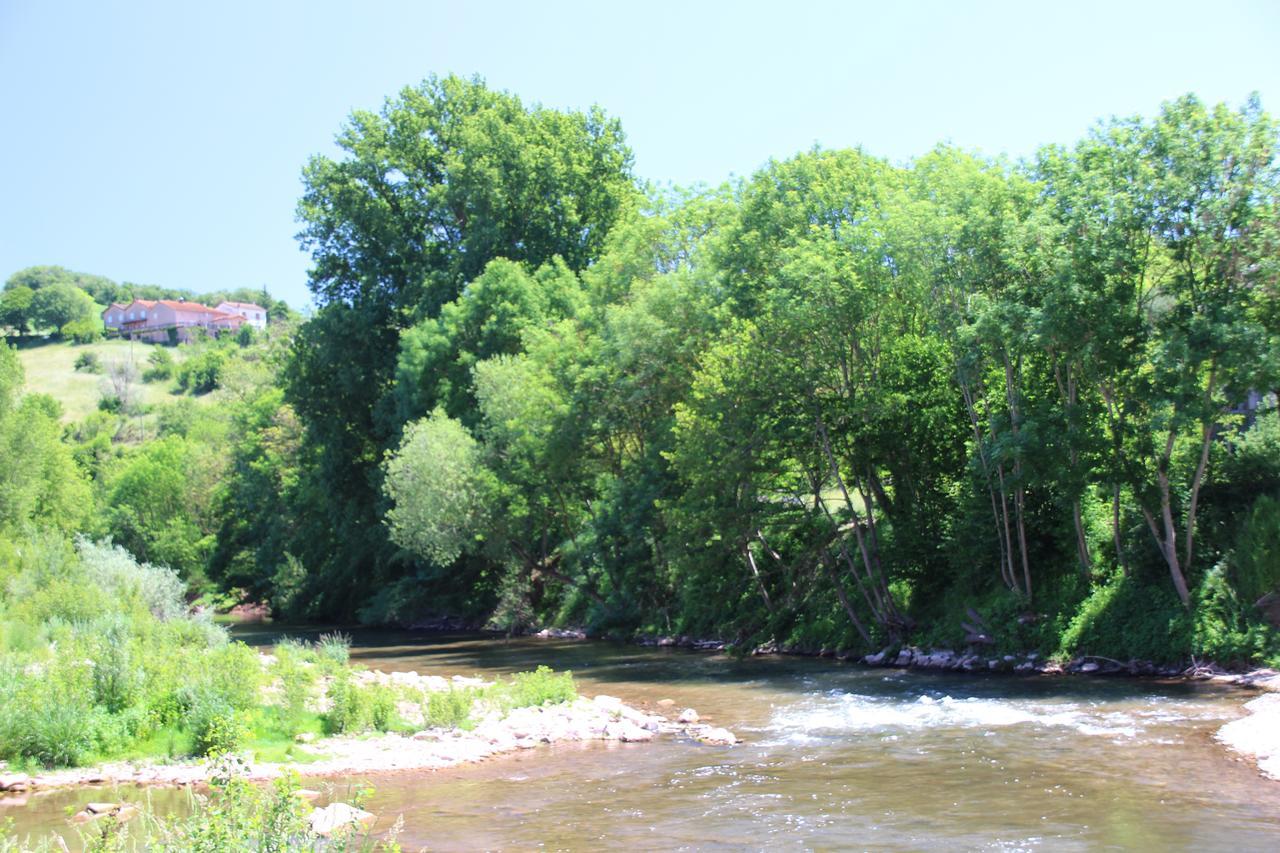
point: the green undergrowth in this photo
(234, 814)
(359, 708)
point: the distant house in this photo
(161, 320)
(256, 315)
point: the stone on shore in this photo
(626, 731)
(715, 736)
(1257, 735)
(15, 782)
(687, 716)
(338, 818)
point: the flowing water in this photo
(836, 756)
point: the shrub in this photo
(235, 674)
(201, 373)
(380, 700)
(159, 365)
(532, 689)
(117, 678)
(81, 331)
(449, 709)
(216, 726)
(1255, 562)
(113, 570)
(88, 362)
(334, 648)
(296, 681)
(348, 711)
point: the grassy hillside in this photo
(50, 369)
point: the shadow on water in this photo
(603, 662)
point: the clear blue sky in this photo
(162, 142)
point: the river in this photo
(836, 756)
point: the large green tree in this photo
(448, 176)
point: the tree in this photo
(101, 289)
(15, 308)
(59, 304)
(39, 480)
(440, 489)
(449, 176)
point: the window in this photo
(130, 315)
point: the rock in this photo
(612, 704)
(666, 703)
(874, 660)
(305, 737)
(627, 732)
(338, 818)
(15, 782)
(687, 716)
(904, 658)
(716, 736)
(92, 811)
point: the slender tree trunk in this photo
(1006, 563)
(1206, 441)
(755, 572)
(1115, 529)
(844, 601)
(1168, 541)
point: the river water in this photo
(836, 756)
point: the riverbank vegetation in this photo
(839, 404)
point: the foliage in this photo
(438, 485)
(449, 709)
(89, 362)
(839, 403)
(161, 365)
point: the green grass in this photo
(50, 369)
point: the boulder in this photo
(666, 703)
(627, 732)
(717, 736)
(687, 716)
(339, 818)
(612, 704)
(15, 782)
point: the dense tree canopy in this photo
(839, 404)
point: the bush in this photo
(82, 331)
(348, 710)
(160, 365)
(1255, 562)
(449, 709)
(88, 362)
(296, 682)
(334, 648)
(380, 700)
(216, 726)
(201, 373)
(533, 689)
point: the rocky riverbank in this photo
(602, 718)
(1257, 736)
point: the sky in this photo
(163, 142)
